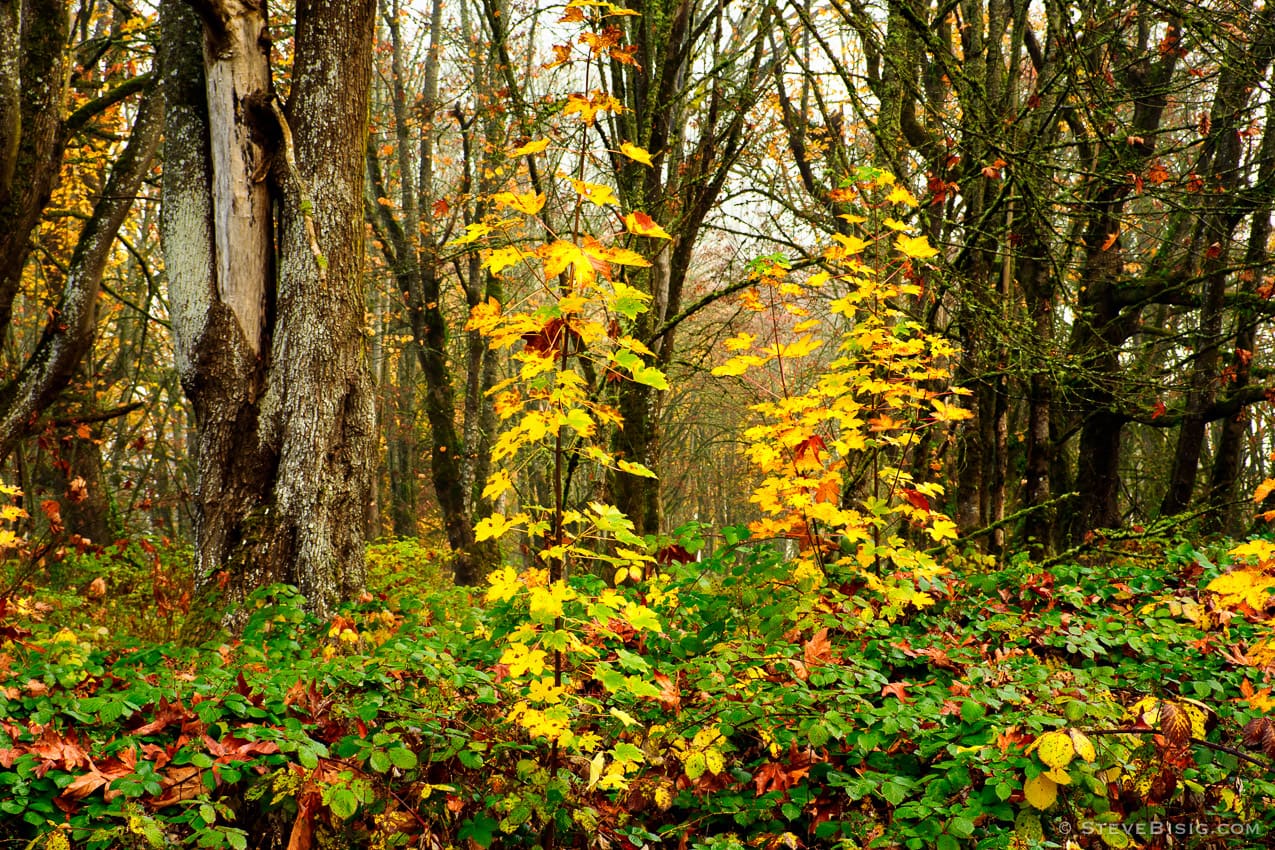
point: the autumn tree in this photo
(687, 77)
(1090, 171)
(414, 207)
(263, 247)
(55, 92)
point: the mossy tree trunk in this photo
(263, 245)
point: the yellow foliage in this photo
(1040, 792)
(636, 153)
(1243, 587)
(531, 147)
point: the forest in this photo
(637, 424)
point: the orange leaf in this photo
(670, 694)
(641, 224)
(1263, 490)
(818, 650)
(303, 827)
(898, 690)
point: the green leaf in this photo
(307, 758)
(651, 377)
(480, 829)
(343, 803)
(961, 827)
(380, 761)
(403, 758)
(627, 753)
(640, 687)
(611, 679)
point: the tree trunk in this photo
(273, 358)
(1220, 158)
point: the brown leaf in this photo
(818, 650)
(1260, 734)
(55, 747)
(179, 784)
(772, 776)
(165, 714)
(53, 512)
(84, 785)
(898, 690)
(1175, 725)
(102, 774)
(303, 827)
(670, 694)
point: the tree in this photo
(35, 130)
(411, 243)
(263, 245)
(1090, 170)
(688, 83)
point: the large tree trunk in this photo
(273, 359)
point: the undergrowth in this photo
(1112, 702)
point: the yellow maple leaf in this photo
(636, 153)
(560, 255)
(588, 107)
(531, 147)
(916, 247)
(1243, 587)
(1258, 551)
(624, 257)
(473, 232)
(497, 483)
(529, 203)
(595, 193)
(901, 195)
(850, 245)
(942, 529)
(495, 525)
(505, 584)
(501, 259)
(522, 660)
(944, 412)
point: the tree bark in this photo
(273, 358)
